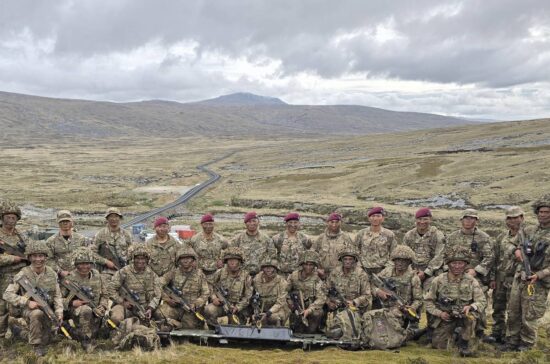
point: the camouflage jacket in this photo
(163, 256)
(375, 248)
(505, 261)
(540, 261)
(482, 255)
(94, 282)
(7, 262)
(119, 242)
(290, 250)
(428, 248)
(352, 286)
(192, 284)
(208, 251)
(255, 249)
(61, 251)
(273, 293)
(146, 284)
(47, 280)
(408, 287)
(329, 245)
(239, 288)
(313, 289)
(461, 292)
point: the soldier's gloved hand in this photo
(110, 265)
(127, 305)
(32, 305)
(149, 313)
(78, 303)
(445, 316)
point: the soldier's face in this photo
(376, 219)
(543, 215)
(514, 223)
(162, 230)
(252, 225)
(348, 262)
(423, 223)
(401, 265)
(292, 225)
(457, 267)
(9, 220)
(186, 263)
(65, 225)
(208, 227)
(38, 260)
(113, 220)
(84, 268)
(308, 267)
(140, 262)
(269, 271)
(469, 222)
(233, 264)
(334, 226)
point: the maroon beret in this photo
(334, 216)
(423, 212)
(160, 220)
(376, 210)
(292, 216)
(249, 216)
(207, 218)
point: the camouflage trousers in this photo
(501, 296)
(524, 311)
(119, 313)
(446, 332)
(40, 327)
(212, 313)
(85, 320)
(5, 280)
(314, 320)
(178, 318)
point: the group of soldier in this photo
(333, 284)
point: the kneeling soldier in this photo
(231, 290)
(456, 300)
(307, 295)
(185, 292)
(135, 289)
(44, 280)
(271, 290)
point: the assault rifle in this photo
(42, 298)
(222, 293)
(256, 303)
(340, 300)
(526, 253)
(451, 306)
(298, 306)
(389, 287)
(85, 294)
(137, 308)
(106, 251)
(17, 250)
(176, 295)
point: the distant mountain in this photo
(25, 117)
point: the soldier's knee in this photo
(211, 310)
(36, 315)
(86, 311)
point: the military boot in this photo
(40, 350)
(463, 348)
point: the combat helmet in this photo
(310, 256)
(348, 252)
(402, 252)
(83, 256)
(543, 201)
(270, 262)
(233, 252)
(9, 207)
(185, 252)
(138, 249)
(37, 247)
(452, 255)
(113, 210)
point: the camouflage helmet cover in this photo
(113, 210)
(310, 256)
(83, 256)
(270, 262)
(452, 255)
(37, 247)
(403, 252)
(186, 252)
(348, 252)
(138, 249)
(233, 252)
(9, 207)
(543, 201)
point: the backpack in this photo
(345, 325)
(382, 329)
(132, 334)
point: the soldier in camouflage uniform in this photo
(89, 279)
(312, 292)
(375, 243)
(63, 244)
(191, 282)
(162, 247)
(41, 276)
(456, 300)
(526, 307)
(330, 243)
(238, 284)
(272, 290)
(138, 278)
(10, 265)
(112, 242)
(407, 285)
(209, 246)
(291, 244)
(482, 255)
(256, 245)
(505, 267)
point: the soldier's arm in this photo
(52, 259)
(103, 293)
(416, 291)
(12, 296)
(157, 292)
(544, 273)
(479, 300)
(58, 301)
(277, 242)
(365, 299)
(247, 294)
(321, 296)
(437, 260)
(307, 242)
(281, 297)
(271, 250)
(204, 291)
(392, 241)
(6, 260)
(485, 266)
(113, 288)
(430, 298)
(98, 259)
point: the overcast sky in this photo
(477, 59)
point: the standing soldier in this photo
(93, 285)
(330, 243)
(233, 285)
(307, 295)
(135, 289)
(42, 277)
(291, 244)
(162, 247)
(456, 300)
(481, 259)
(530, 289)
(375, 243)
(187, 282)
(255, 244)
(505, 267)
(63, 244)
(271, 288)
(13, 258)
(209, 246)
(112, 242)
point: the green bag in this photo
(382, 329)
